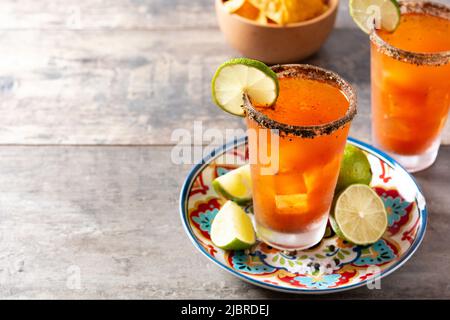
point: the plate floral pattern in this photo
(333, 264)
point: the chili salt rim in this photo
(314, 73)
(417, 58)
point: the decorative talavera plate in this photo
(333, 264)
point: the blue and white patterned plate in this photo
(331, 266)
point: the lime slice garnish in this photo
(232, 229)
(359, 215)
(235, 185)
(384, 14)
(238, 76)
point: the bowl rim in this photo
(333, 5)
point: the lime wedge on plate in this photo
(355, 168)
(232, 229)
(359, 215)
(235, 185)
(384, 14)
(240, 76)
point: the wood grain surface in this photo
(90, 95)
(131, 72)
(111, 214)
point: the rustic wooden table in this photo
(90, 95)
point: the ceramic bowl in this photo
(273, 43)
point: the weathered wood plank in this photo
(73, 209)
(102, 87)
(134, 87)
(87, 85)
(117, 14)
(121, 14)
(108, 14)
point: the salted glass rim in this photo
(313, 73)
(417, 58)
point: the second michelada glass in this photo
(293, 192)
(410, 75)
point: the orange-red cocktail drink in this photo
(410, 71)
(311, 119)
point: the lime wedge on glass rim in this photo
(240, 76)
(232, 228)
(235, 185)
(367, 14)
(359, 215)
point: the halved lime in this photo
(235, 185)
(232, 228)
(359, 215)
(240, 76)
(383, 14)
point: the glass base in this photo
(293, 241)
(415, 163)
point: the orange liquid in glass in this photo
(300, 193)
(410, 103)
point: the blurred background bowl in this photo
(274, 43)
